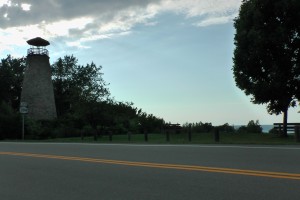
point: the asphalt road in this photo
(44, 171)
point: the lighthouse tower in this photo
(37, 91)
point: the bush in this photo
(274, 131)
(43, 129)
(242, 129)
(252, 127)
(199, 127)
(226, 128)
(38, 129)
(10, 122)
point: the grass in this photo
(197, 138)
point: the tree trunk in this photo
(285, 119)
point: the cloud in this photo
(25, 6)
(5, 2)
(56, 10)
(77, 22)
(215, 20)
(207, 12)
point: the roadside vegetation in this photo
(87, 113)
(83, 102)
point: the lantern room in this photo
(38, 47)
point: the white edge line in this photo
(160, 145)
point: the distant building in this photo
(37, 90)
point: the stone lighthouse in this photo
(37, 92)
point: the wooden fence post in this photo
(110, 135)
(167, 135)
(190, 132)
(146, 135)
(129, 135)
(297, 133)
(216, 135)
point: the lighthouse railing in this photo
(37, 51)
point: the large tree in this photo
(11, 78)
(266, 57)
(74, 83)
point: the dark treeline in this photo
(199, 127)
(83, 103)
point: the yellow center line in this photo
(282, 175)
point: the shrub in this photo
(274, 131)
(226, 128)
(252, 127)
(242, 129)
(10, 122)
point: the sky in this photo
(171, 58)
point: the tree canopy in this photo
(11, 77)
(74, 83)
(266, 57)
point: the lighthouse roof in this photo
(38, 42)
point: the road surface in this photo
(45, 171)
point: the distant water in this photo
(266, 128)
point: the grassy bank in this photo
(197, 138)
